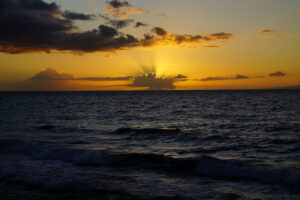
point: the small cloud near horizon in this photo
(52, 80)
(149, 80)
(220, 78)
(277, 74)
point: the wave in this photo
(147, 130)
(49, 152)
(203, 166)
(237, 170)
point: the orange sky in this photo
(135, 45)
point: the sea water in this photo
(150, 145)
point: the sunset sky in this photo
(149, 44)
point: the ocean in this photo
(150, 145)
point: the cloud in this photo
(118, 4)
(163, 37)
(265, 34)
(277, 74)
(159, 31)
(148, 79)
(77, 16)
(47, 80)
(121, 9)
(36, 26)
(117, 23)
(267, 31)
(138, 24)
(180, 76)
(152, 82)
(236, 77)
(51, 74)
(211, 46)
(240, 77)
(126, 78)
(52, 80)
(162, 15)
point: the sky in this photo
(140, 44)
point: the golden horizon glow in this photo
(212, 49)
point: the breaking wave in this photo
(206, 166)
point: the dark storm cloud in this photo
(117, 23)
(77, 16)
(33, 25)
(277, 74)
(237, 77)
(37, 26)
(138, 24)
(9, 5)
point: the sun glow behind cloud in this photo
(218, 44)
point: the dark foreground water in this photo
(150, 145)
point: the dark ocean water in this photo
(150, 145)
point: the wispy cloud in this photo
(211, 46)
(117, 23)
(221, 78)
(163, 37)
(240, 77)
(269, 34)
(267, 31)
(163, 15)
(77, 16)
